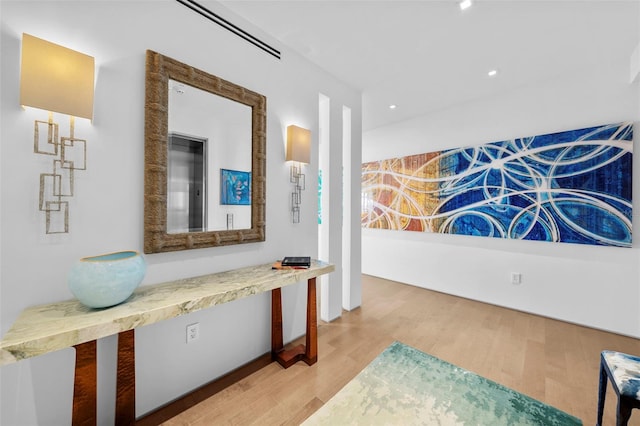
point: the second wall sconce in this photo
(61, 80)
(299, 152)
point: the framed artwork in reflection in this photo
(235, 187)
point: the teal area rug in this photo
(404, 386)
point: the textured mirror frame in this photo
(159, 69)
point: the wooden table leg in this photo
(311, 353)
(276, 323)
(307, 353)
(85, 385)
(126, 379)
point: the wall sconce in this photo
(61, 80)
(298, 151)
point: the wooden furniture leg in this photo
(276, 323)
(308, 352)
(85, 385)
(311, 353)
(126, 379)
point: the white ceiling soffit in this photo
(429, 55)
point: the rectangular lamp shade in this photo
(298, 144)
(55, 78)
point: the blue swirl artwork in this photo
(572, 187)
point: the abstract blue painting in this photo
(235, 188)
(572, 187)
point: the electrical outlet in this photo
(516, 278)
(193, 332)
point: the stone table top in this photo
(47, 328)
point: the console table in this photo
(47, 328)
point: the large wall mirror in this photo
(205, 156)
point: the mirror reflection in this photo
(205, 159)
(209, 161)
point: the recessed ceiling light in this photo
(393, 106)
(492, 73)
(465, 4)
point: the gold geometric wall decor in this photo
(299, 153)
(54, 186)
(55, 78)
(50, 138)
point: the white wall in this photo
(594, 286)
(107, 210)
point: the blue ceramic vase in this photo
(108, 279)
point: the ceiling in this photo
(428, 55)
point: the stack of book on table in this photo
(293, 262)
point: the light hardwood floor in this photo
(549, 360)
